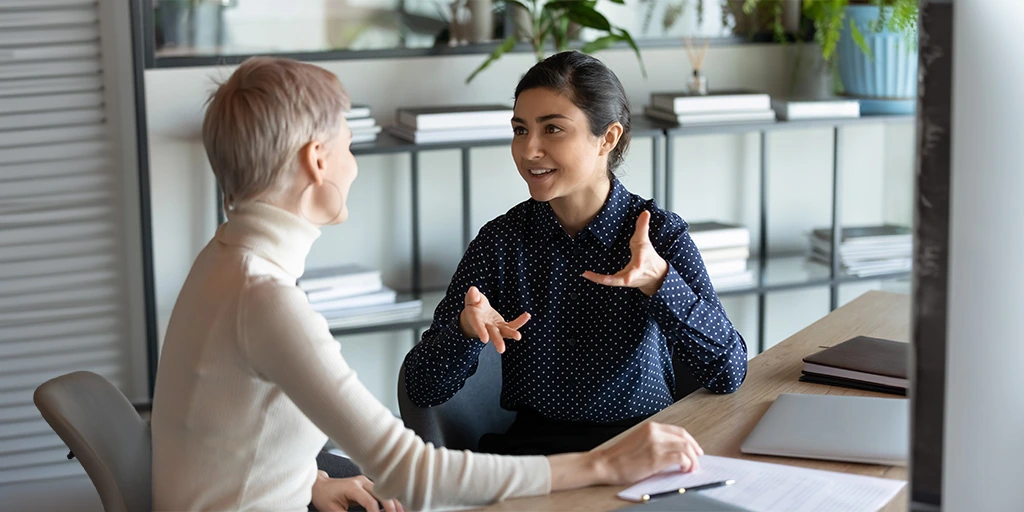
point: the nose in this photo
(533, 149)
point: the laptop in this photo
(844, 428)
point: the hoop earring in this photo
(315, 197)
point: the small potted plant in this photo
(872, 44)
(552, 22)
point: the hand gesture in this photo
(479, 320)
(646, 269)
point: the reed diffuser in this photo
(698, 83)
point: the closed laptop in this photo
(844, 428)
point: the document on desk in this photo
(775, 487)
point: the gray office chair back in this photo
(476, 409)
(106, 435)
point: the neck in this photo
(577, 209)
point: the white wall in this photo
(717, 178)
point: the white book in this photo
(756, 116)
(733, 280)
(727, 267)
(362, 135)
(357, 111)
(384, 296)
(455, 117)
(394, 312)
(363, 122)
(435, 136)
(357, 278)
(715, 235)
(715, 101)
(725, 253)
(826, 108)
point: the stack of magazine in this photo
(454, 123)
(364, 127)
(866, 250)
(354, 295)
(725, 249)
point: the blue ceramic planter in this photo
(885, 81)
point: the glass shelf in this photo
(790, 272)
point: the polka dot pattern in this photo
(590, 352)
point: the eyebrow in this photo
(541, 119)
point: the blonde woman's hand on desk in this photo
(338, 494)
(644, 451)
(646, 269)
(479, 320)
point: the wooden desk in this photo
(720, 423)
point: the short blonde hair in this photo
(257, 121)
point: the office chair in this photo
(105, 433)
(476, 410)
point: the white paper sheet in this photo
(774, 487)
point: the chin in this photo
(541, 195)
(342, 217)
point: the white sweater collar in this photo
(280, 236)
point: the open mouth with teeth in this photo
(541, 172)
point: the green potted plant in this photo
(872, 46)
(552, 22)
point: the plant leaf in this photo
(858, 38)
(588, 17)
(520, 4)
(629, 40)
(505, 46)
(601, 43)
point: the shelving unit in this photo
(773, 273)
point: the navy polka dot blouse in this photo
(590, 352)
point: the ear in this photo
(610, 138)
(311, 161)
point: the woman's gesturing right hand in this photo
(479, 320)
(644, 451)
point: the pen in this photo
(702, 487)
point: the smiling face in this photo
(553, 147)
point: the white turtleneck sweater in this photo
(250, 380)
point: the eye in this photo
(552, 129)
(518, 130)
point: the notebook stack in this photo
(862, 362)
(353, 295)
(866, 250)
(425, 125)
(725, 249)
(722, 107)
(364, 127)
(795, 109)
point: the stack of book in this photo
(866, 251)
(364, 127)
(426, 125)
(720, 107)
(862, 362)
(725, 249)
(795, 109)
(353, 295)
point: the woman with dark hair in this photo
(601, 286)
